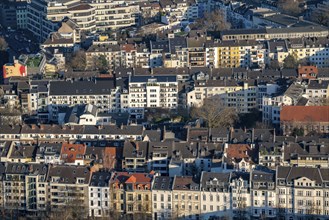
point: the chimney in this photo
(137, 146)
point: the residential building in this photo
(186, 197)
(152, 92)
(302, 191)
(215, 195)
(162, 197)
(131, 193)
(99, 194)
(68, 185)
(263, 193)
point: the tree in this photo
(99, 63)
(3, 44)
(213, 21)
(290, 7)
(320, 17)
(215, 113)
(78, 60)
(297, 132)
(290, 62)
(274, 64)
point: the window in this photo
(155, 197)
(130, 207)
(130, 197)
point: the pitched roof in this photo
(305, 113)
(72, 152)
(186, 183)
(69, 174)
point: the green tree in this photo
(297, 132)
(102, 64)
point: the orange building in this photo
(14, 69)
(308, 72)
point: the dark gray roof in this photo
(135, 149)
(7, 129)
(163, 183)
(141, 79)
(243, 31)
(100, 179)
(4, 148)
(49, 148)
(262, 176)
(215, 181)
(315, 84)
(69, 174)
(177, 42)
(23, 151)
(81, 87)
(292, 173)
(32, 169)
(153, 135)
(160, 45)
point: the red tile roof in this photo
(305, 113)
(238, 151)
(71, 152)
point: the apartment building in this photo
(25, 187)
(186, 197)
(111, 14)
(135, 156)
(131, 193)
(99, 194)
(302, 191)
(317, 91)
(196, 51)
(162, 197)
(239, 53)
(215, 195)
(239, 95)
(112, 54)
(272, 104)
(274, 33)
(68, 186)
(158, 156)
(306, 154)
(101, 93)
(152, 92)
(263, 194)
(240, 194)
(313, 49)
(45, 16)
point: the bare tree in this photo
(290, 62)
(320, 17)
(213, 21)
(78, 60)
(3, 44)
(274, 64)
(215, 113)
(290, 7)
